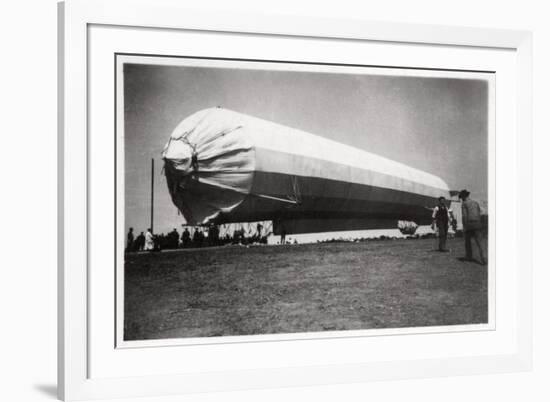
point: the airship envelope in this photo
(222, 166)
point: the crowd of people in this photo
(443, 217)
(192, 237)
(142, 242)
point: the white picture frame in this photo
(76, 377)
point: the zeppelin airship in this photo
(222, 166)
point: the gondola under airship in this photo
(222, 166)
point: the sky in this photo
(438, 125)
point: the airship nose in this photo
(179, 155)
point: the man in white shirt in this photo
(149, 241)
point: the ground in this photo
(236, 290)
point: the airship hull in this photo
(222, 167)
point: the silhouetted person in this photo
(173, 239)
(140, 242)
(185, 238)
(197, 238)
(441, 218)
(213, 235)
(130, 240)
(472, 226)
(283, 233)
(259, 228)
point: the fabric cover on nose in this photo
(179, 154)
(209, 165)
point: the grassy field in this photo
(300, 288)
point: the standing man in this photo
(130, 240)
(140, 242)
(174, 238)
(471, 222)
(149, 241)
(282, 229)
(197, 240)
(441, 217)
(185, 237)
(259, 228)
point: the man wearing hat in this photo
(471, 222)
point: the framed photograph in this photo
(256, 201)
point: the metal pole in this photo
(152, 191)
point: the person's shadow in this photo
(47, 389)
(464, 259)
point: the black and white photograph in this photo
(268, 197)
